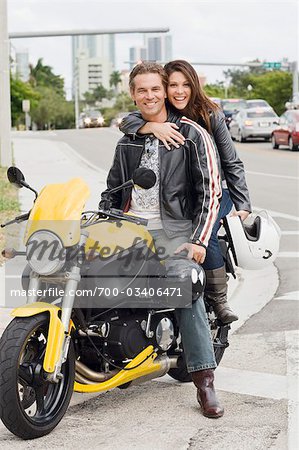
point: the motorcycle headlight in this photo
(45, 253)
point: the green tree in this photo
(273, 86)
(122, 103)
(20, 91)
(115, 79)
(97, 95)
(42, 75)
(100, 93)
(214, 90)
(52, 110)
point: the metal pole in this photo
(294, 68)
(32, 34)
(77, 99)
(5, 114)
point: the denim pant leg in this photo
(193, 322)
(196, 337)
(214, 258)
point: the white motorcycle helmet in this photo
(255, 245)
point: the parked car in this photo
(216, 100)
(117, 119)
(231, 106)
(287, 130)
(91, 119)
(257, 103)
(253, 123)
(294, 102)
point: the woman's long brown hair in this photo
(199, 106)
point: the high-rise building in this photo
(93, 60)
(22, 64)
(137, 54)
(159, 47)
(91, 73)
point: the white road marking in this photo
(277, 213)
(292, 356)
(288, 255)
(263, 174)
(294, 295)
(246, 382)
(290, 233)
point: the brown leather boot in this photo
(216, 294)
(206, 395)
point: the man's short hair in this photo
(147, 67)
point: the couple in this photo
(183, 155)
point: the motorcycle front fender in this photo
(56, 334)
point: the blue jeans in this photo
(214, 258)
(193, 322)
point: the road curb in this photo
(255, 288)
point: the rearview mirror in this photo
(145, 178)
(15, 176)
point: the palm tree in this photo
(42, 75)
(115, 79)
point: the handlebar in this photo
(17, 219)
(119, 214)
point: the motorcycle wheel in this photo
(220, 342)
(180, 373)
(30, 405)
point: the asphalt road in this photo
(260, 362)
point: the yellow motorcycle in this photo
(100, 309)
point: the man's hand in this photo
(167, 133)
(243, 214)
(196, 252)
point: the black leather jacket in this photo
(190, 187)
(232, 168)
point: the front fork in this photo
(73, 278)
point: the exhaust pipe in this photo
(166, 364)
(92, 376)
(85, 375)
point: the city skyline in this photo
(202, 31)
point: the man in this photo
(187, 189)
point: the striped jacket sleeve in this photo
(206, 181)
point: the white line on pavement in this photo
(246, 382)
(288, 255)
(294, 295)
(292, 355)
(277, 214)
(263, 174)
(290, 233)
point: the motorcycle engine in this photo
(127, 338)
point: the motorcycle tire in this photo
(180, 373)
(30, 405)
(220, 343)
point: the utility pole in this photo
(5, 114)
(294, 68)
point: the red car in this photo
(287, 131)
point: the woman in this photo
(186, 96)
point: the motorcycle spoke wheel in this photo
(31, 405)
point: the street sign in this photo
(26, 106)
(272, 65)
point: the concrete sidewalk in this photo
(43, 161)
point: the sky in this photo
(202, 31)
